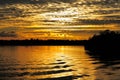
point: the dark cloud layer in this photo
(8, 34)
(11, 12)
(33, 1)
(44, 1)
(99, 22)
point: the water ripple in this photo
(50, 72)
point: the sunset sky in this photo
(57, 19)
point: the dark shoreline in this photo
(37, 42)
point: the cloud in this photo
(112, 17)
(88, 2)
(11, 12)
(102, 3)
(8, 34)
(56, 12)
(33, 1)
(96, 22)
(10, 29)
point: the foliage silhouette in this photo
(105, 44)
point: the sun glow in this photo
(62, 19)
(63, 16)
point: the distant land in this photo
(32, 42)
(99, 42)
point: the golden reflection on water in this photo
(43, 62)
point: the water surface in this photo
(54, 63)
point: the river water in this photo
(54, 63)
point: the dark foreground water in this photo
(54, 63)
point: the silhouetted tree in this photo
(106, 42)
